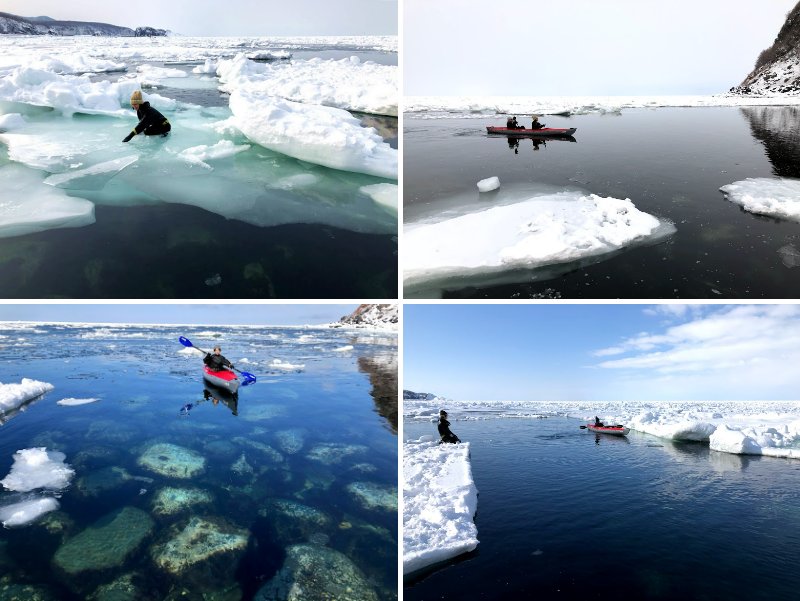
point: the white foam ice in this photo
(73, 402)
(776, 197)
(439, 503)
(24, 512)
(317, 134)
(533, 232)
(11, 121)
(489, 184)
(13, 396)
(481, 107)
(199, 155)
(286, 365)
(348, 84)
(384, 194)
(38, 468)
(190, 351)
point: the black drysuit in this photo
(216, 362)
(445, 433)
(151, 122)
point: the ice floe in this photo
(38, 468)
(13, 396)
(439, 502)
(481, 107)
(533, 232)
(71, 402)
(286, 365)
(383, 194)
(489, 184)
(24, 512)
(199, 155)
(11, 121)
(776, 197)
(316, 134)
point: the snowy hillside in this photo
(14, 24)
(373, 316)
(777, 70)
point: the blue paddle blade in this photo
(185, 341)
(247, 378)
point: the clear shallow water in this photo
(340, 399)
(561, 509)
(302, 230)
(670, 162)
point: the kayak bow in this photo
(224, 379)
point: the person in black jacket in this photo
(151, 122)
(535, 124)
(215, 361)
(444, 429)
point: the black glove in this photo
(232, 366)
(128, 137)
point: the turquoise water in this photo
(567, 514)
(305, 460)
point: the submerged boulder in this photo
(106, 543)
(199, 540)
(171, 500)
(330, 453)
(291, 441)
(374, 496)
(172, 461)
(317, 573)
(294, 522)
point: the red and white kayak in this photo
(544, 132)
(615, 430)
(225, 379)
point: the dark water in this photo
(670, 162)
(567, 514)
(340, 398)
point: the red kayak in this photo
(224, 379)
(615, 430)
(544, 132)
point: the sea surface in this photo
(251, 227)
(289, 462)
(564, 513)
(670, 162)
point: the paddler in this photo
(444, 429)
(151, 122)
(536, 124)
(216, 361)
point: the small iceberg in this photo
(766, 196)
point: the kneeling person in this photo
(151, 122)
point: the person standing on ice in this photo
(444, 429)
(151, 122)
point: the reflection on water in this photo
(776, 128)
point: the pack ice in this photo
(776, 197)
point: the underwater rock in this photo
(105, 479)
(171, 500)
(374, 496)
(272, 455)
(172, 461)
(317, 573)
(364, 468)
(197, 542)
(241, 467)
(294, 522)
(12, 591)
(291, 441)
(257, 413)
(106, 543)
(110, 431)
(220, 448)
(121, 589)
(331, 453)
(315, 481)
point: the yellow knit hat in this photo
(136, 97)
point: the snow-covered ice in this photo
(72, 402)
(533, 232)
(24, 512)
(489, 184)
(13, 396)
(770, 428)
(439, 503)
(383, 194)
(199, 155)
(38, 468)
(776, 197)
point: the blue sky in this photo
(584, 47)
(602, 352)
(189, 314)
(228, 18)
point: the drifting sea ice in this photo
(489, 184)
(38, 468)
(532, 232)
(439, 502)
(13, 396)
(776, 197)
(24, 512)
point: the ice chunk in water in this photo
(28, 206)
(383, 194)
(777, 197)
(13, 396)
(19, 514)
(91, 178)
(38, 468)
(11, 121)
(316, 134)
(198, 155)
(489, 184)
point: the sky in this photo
(188, 314)
(584, 47)
(602, 352)
(228, 18)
